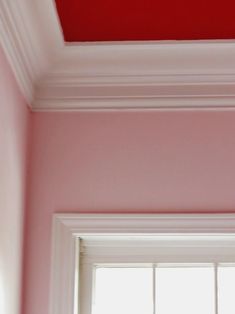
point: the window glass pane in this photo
(123, 291)
(226, 290)
(185, 290)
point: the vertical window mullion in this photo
(154, 288)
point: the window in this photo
(122, 290)
(164, 289)
(158, 274)
(151, 264)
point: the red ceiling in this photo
(103, 20)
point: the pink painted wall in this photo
(152, 161)
(14, 129)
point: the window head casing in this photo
(178, 238)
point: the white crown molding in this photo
(140, 75)
(30, 37)
(57, 76)
(67, 228)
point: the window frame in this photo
(68, 228)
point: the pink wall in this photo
(14, 127)
(152, 161)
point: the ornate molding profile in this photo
(54, 75)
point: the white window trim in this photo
(68, 227)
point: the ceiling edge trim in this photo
(140, 75)
(26, 42)
(177, 103)
(53, 75)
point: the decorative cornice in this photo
(30, 37)
(57, 76)
(140, 75)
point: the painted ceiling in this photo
(117, 20)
